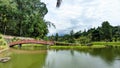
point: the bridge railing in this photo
(31, 42)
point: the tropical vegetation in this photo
(23, 18)
(104, 33)
(3, 43)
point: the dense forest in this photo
(105, 32)
(23, 18)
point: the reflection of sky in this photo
(65, 59)
(81, 14)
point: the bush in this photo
(15, 39)
(0, 36)
(84, 41)
(2, 41)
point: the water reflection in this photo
(107, 54)
(84, 58)
(90, 58)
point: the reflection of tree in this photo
(108, 55)
(74, 59)
(72, 52)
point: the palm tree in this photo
(58, 3)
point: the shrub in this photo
(15, 39)
(84, 41)
(2, 41)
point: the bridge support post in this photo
(20, 45)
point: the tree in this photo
(107, 31)
(30, 18)
(71, 38)
(7, 10)
(116, 33)
(83, 40)
(77, 34)
(2, 41)
(56, 37)
(23, 18)
(95, 35)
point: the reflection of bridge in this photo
(20, 42)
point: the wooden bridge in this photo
(20, 42)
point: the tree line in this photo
(23, 18)
(26, 18)
(105, 32)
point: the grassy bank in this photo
(76, 47)
(95, 45)
(107, 43)
(3, 43)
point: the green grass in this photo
(76, 47)
(95, 45)
(30, 45)
(27, 45)
(107, 43)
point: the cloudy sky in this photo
(81, 14)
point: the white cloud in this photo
(81, 14)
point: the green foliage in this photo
(0, 37)
(95, 35)
(23, 18)
(104, 33)
(15, 39)
(46, 38)
(6, 15)
(2, 41)
(116, 33)
(56, 37)
(107, 31)
(107, 43)
(84, 40)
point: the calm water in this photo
(86, 58)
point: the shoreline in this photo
(2, 50)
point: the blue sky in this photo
(81, 14)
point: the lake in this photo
(49, 58)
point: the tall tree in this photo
(7, 9)
(95, 35)
(56, 37)
(23, 18)
(116, 33)
(107, 31)
(71, 38)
